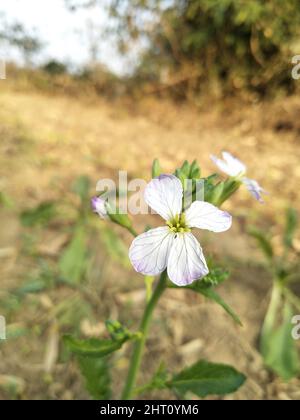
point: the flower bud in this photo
(156, 169)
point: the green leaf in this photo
(290, 228)
(34, 286)
(81, 187)
(204, 378)
(97, 376)
(114, 245)
(211, 294)
(40, 215)
(279, 348)
(156, 169)
(263, 242)
(92, 347)
(206, 288)
(73, 262)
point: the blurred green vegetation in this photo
(277, 345)
(227, 45)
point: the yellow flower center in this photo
(178, 224)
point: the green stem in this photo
(149, 283)
(132, 231)
(140, 344)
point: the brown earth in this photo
(46, 141)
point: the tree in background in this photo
(26, 41)
(232, 44)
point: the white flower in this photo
(174, 246)
(235, 168)
(99, 206)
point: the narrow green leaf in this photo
(34, 286)
(97, 376)
(280, 349)
(206, 288)
(73, 262)
(263, 242)
(40, 215)
(114, 245)
(204, 378)
(290, 227)
(81, 187)
(211, 294)
(92, 347)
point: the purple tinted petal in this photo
(234, 163)
(204, 215)
(223, 166)
(186, 262)
(229, 164)
(255, 189)
(164, 195)
(149, 252)
(99, 206)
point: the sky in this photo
(65, 33)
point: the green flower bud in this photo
(185, 169)
(156, 169)
(216, 193)
(195, 172)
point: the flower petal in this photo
(204, 215)
(255, 189)
(99, 207)
(230, 165)
(223, 166)
(164, 195)
(186, 261)
(149, 252)
(236, 166)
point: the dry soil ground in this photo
(46, 141)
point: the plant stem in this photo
(136, 357)
(132, 231)
(149, 283)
